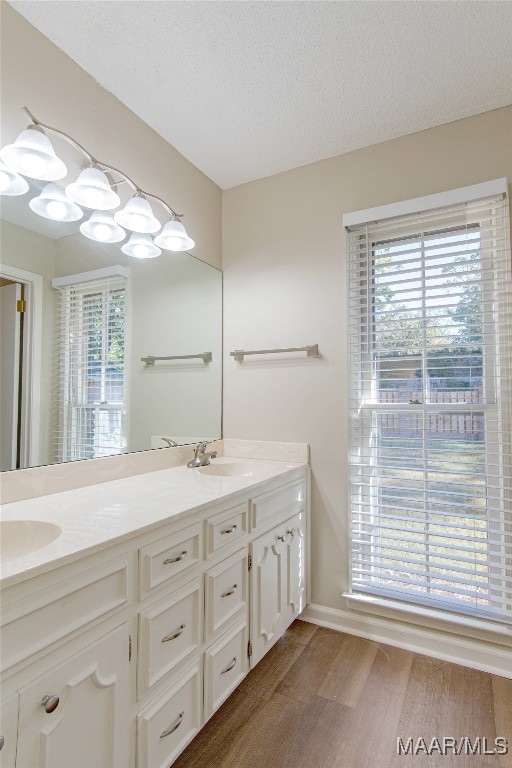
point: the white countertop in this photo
(97, 516)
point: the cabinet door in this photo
(266, 594)
(85, 721)
(277, 583)
(294, 581)
(8, 731)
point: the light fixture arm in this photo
(162, 203)
(104, 166)
(63, 135)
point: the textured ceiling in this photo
(248, 89)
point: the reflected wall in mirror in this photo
(173, 307)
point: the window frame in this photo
(369, 406)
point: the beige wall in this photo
(38, 75)
(285, 285)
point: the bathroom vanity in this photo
(122, 636)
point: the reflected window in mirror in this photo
(90, 362)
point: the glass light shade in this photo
(102, 228)
(173, 237)
(141, 246)
(92, 190)
(137, 216)
(53, 204)
(33, 155)
(11, 183)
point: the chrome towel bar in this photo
(239, 354)
(206, 357)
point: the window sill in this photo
(450, 622)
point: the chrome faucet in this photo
(201, 456)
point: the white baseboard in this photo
(478, 654)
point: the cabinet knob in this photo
(176, 559)
(50, 703)
(2, 740)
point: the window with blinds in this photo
(431, 408)
(90, 357)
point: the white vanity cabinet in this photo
(116, 660)
(65, 639)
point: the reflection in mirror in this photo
(73, 384)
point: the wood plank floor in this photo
(324, 699)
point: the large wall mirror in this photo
(62, 402)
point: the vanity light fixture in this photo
(11, 183)
(53, 204)
(141, 246)
(33, 155)
(137, 216)
(102, 228)
(173, 236)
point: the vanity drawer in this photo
(225, 528)
(72, 601)
(168, 632)
(165, 727)
(168, 557)
(278, 504)
(225, 592)
(226, 664)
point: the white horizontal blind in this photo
(90, 370)
(431, 408)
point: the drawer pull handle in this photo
(230, 591)
(50, 703)
(230, 530)
(229, 667)
(2, 740)
(173, 635)
(176, 559)
(174, 727)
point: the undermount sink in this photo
(20, 537)
(233, 469)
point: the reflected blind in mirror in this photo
(431, 408)
(90, 369)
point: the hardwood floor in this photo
(323, 699)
